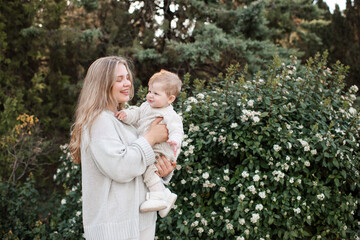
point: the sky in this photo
(331, 4)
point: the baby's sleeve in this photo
(132, 115)
(175, 127)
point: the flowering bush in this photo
(276, 157)
(67, 220)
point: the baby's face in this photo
(157, 97)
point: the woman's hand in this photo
(157, 132)
(164, 166)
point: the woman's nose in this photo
(127, 83)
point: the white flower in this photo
(256, 178)
(242, 196)
(256, 119)
(303, 143)
(197, 215)
(298, 198)
(211, 231)
(247, 231)
(235, 145)
(226, 178)
(226, 171)
(222, 139)
(321, 196)
(226, 209)
(205, 175)
(259, 207)
(277, 148)
(307, 148)
(241, 221)
(352, 111)
(78, 213)
(297, 210)
(222, 189)
(194, 224)
(252, 189)
(262, 194)
(240, 238)
(183, 181)
(244, 174)
(192, 100)
(200, 96)
(255, 217)
(234, 125)
(63, 201)
(211, 133)
(250, 103)
(193, 195)
(313, 152)
(354, 89)
(204, 222)
(200, 229)
(307, 163)
(229, 226)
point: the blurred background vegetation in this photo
(47, 46)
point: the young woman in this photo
(112, 156)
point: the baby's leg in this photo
(152, 180)
(159, 198)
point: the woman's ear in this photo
(171, 99)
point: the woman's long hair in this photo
(95, 97)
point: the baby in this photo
(164, 87)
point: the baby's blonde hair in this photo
(171, 82)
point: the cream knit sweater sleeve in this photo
(113, 155)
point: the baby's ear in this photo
(171, 99)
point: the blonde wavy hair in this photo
(95, 97)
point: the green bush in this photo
(66, 222)
(19, 208)
(276, 157)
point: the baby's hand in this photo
(121, 115)
(173, 146)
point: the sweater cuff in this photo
(166, 179)
(145, 146)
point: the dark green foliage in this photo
(20, 209)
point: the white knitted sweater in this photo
(112, 163)
(144, 115)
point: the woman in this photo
(112, 156)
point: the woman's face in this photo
(122, 86)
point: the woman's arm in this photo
(117, 160)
